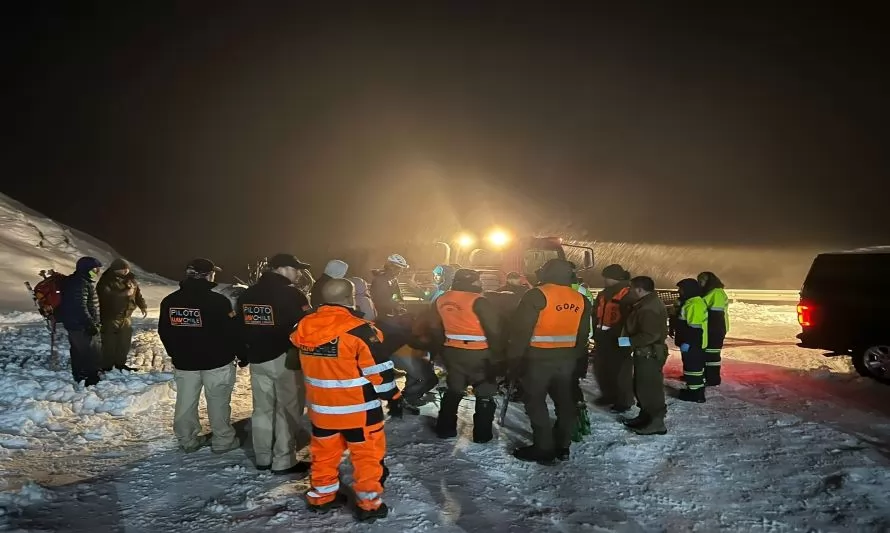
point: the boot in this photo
(602, 401)
(396, 408)
(199, 442)
(562, 454)
(363, 515)
(654, 427)
(582, 426)
(639, 421)
(446, 424)
(482, 420)
(533, 454)
(126, 368)
(690, 395)
(302, 467)
(618, 409)
(338, 502)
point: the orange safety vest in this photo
(462, 327)
(608, 314)
(344, 383)
(560, 320)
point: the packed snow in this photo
(781, 446)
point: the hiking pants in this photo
(117, 337)
(217, 384)
(85, 353)
(694, 367)
(613, 369)
(649, 380)
(553, 377)
(277, 411)
(366, 446)
(712, 366)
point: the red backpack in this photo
(48, 293)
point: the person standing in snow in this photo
(612, 364)
(79, 313)
(515, 284)
(549, 335)
(198, 329)
(119, 296)
(268, 312)
(363, 302)
(645, 332)
(469, 328)
(691, 336)
(718, 324)
(443, 276)
(347, 376)
(385, 290)
(335, 269)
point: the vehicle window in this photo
(535, 259)
(860, 272)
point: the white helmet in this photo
(397, 260)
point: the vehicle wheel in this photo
(874, 362)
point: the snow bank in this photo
(31, 242)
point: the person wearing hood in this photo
(267, 312)
(468, 327)
(198, 329)
(363, 302)
(691, 336)
(385, 290)
(612, 364)
(645, 332)
(348, 374)
(79, 313)
(119, 296)
(717, 301)
(335, 269)
(548, 338)
(443, 276)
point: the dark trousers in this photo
(116, 340)
(649, 380)
(613, 369)
(555, 378)
(85, 353)
(712, 366)
(694, 367)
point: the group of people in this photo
(333, 355)
(96, 312)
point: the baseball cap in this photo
(202, 266)
(287, 260)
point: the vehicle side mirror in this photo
(588, 259)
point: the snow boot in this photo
(602, 401)
(654, 427)
(338, 502)
(236, 443)
(395, 408)
(483, 419)
(562, 454)
(126, 368)
(535, 455)
(446, 424)
(690, 395)
(639, 421)
(582, 426)
(199, 442)
(302, 467)
(363, 515)
(618, 409)
(90, 381)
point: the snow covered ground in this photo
(790, 442)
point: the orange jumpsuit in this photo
(346, 375)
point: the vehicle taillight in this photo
(805, 314)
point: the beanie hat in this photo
(85, 264)
(616, 272)
(336, 269)
(119, 264)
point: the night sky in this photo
(239, 129)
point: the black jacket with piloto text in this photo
(267, 314)
(197, 327)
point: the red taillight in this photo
(805, 314)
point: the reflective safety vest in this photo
(718, 304)
(608, 313)
(560, 320)
(694, 314)
(345, 372)
(589, 295)
(462, 326)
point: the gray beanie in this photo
(336, 269)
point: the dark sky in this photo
(237, 129)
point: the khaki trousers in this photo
(278, 400)
(217, 384)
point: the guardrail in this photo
(748, 295)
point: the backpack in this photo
(48, 293)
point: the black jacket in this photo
(267, 314)
(197, 327)
(386, 295)
(79, 310)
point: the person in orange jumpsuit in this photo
(347, 374)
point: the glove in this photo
(684, 347)
(624, 341)
(242, 363)
(93, 330)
